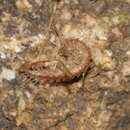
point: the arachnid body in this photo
(72, 60)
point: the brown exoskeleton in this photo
(72, 60)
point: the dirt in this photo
(33, 31)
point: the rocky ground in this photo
(32, 31)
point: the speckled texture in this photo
(71, 61)
(31, 31)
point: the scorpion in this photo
(72, 60)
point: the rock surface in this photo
(32, 31)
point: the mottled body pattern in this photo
(72, 59)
